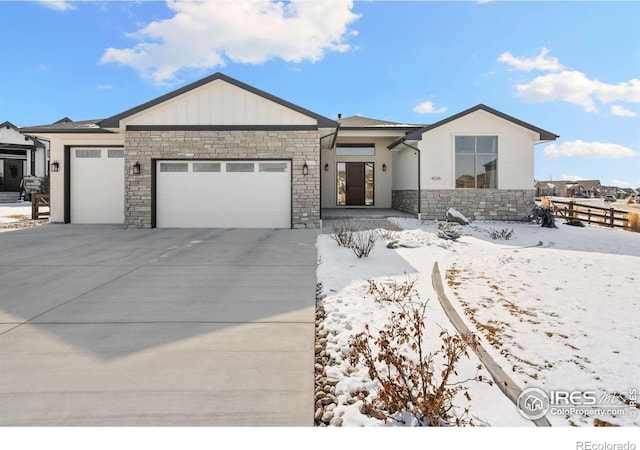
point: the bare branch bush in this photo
(388, 231)
(362, 242)
(412, 379)
(504, 234)
(343, 233)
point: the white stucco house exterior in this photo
(220, 153)
(21, 155)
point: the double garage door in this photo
(188, 194)
(223, 194)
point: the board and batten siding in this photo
(219, 103)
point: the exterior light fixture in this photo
(305, 169)
(326, 167)
(136, 168)
(55, 166)
(384, 167)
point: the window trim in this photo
(475, 158)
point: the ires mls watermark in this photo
(534, 403)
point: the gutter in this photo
(334, 134)
(402, 142)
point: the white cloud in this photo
(572, 177)
(58, 5)
(618, 110)
(539, 62)
(204, 35)
(581, 149)
(428, 108)
(570, 86)
(104, 86)
(575, 87)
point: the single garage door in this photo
(223, 194)
(97, 185)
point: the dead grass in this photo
(19, 217)
(633, 221)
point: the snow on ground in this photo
(555, 308)
(15, 212)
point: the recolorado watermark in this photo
(535, 403)
(590, 445)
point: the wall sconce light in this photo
(326, 167)
(384, 167)
(305, 169)
(136, 168)
(55, 166)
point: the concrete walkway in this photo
(104, 326)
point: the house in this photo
(21, 156)
(221, 153)
(565, 188)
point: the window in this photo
(206, 167)
(96, 153)
(476, 162)
(272, 167)
(115, 153)
(355, 150)
(174, 167)
(240, 167)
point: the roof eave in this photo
(114, 121)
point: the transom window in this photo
(476, 162)
(355, 150)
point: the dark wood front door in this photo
(12, 175)
(355, 184)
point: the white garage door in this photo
(223, 194)
(97, 185)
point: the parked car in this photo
(580, 196)
(609, 198)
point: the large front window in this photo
(477, 162)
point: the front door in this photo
(354, 183)
(12, 175)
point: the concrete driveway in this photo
(105, 326)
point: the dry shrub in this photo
(387, 230)
(362, 242)
(633, 221)
(504, 234)
(343, 233)
(412, 380)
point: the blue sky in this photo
(572, 68)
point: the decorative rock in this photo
(327, 416)
(318, 414)
(336, 422)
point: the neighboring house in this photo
(221, 153)
(21, 155)
(586, 188)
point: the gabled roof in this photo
(36, 142)
(114, 121)
(417, 134)
(66, 125)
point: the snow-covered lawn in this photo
(557, 309)
(15, 212)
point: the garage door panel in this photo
(225, 194)
(97, 185)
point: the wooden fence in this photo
(40, 206)
(593, 215)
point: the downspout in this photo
(419, 178)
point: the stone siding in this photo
(475, 204)
(297, 146)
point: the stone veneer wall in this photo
(475, 204)
(298, 146)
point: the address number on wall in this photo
(434, 178)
